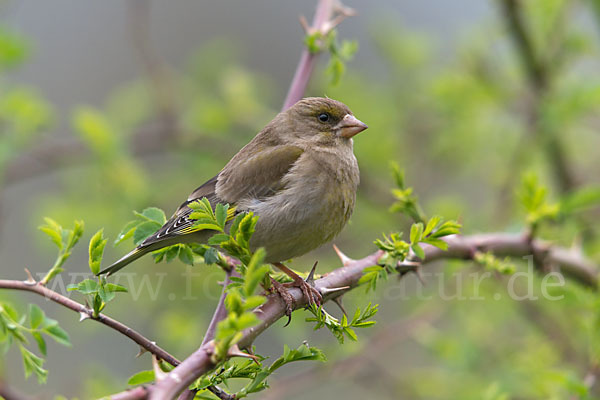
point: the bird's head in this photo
(323, 121)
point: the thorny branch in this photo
(570, 262)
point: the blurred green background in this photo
(108, 107)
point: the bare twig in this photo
(137, 393)
(220, 312)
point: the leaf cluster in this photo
(257, 374)
(493, 263)
(342, 328)
(397, 250)
(64, 239)
(16, 329)
(99, 292)
(533, 197)
(340, 52)
(406, 201)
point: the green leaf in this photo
(96, 250)
(416, 232)
(54, 231)
(126, 232)
(105, 295)
(144, 230)
(113, 287)
(221, 214)
(186, 255)
(33, 364)
(141, 377)
(418, 251)
(86, 286)
(58, 334)
(36, 316)
(207, 226)
(255, 272)
(218, 238)
(172, 253)
(40, 342)
(153, 214)
(211, 256)
(431, 224)
(74, 235)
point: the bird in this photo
(299, 175)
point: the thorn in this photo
(346, 11)
(304, 24)
(345, 259)
(326, 290)
(310, 279)
(417, 272)
(83, 316)
(234, 351)
(159, 374)
(30, 280)
(141, 352)
(338, 301)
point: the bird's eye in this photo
(323, 117)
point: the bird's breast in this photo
(316, 203)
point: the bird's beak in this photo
(350, 126)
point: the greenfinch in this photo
(299, 175)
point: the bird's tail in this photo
(126, 259)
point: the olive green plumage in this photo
(298, 174)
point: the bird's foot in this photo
(312, 294)
(287, 298)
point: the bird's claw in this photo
(310, 292)
(286, 297)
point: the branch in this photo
(220, 312)
(572, 264)
(324, 21)
(87, 313)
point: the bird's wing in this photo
(259, 176)
(179, 223)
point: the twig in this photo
(220, 312)
(324, 21)
(460, 247)
(145, 343)
(137, 393)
